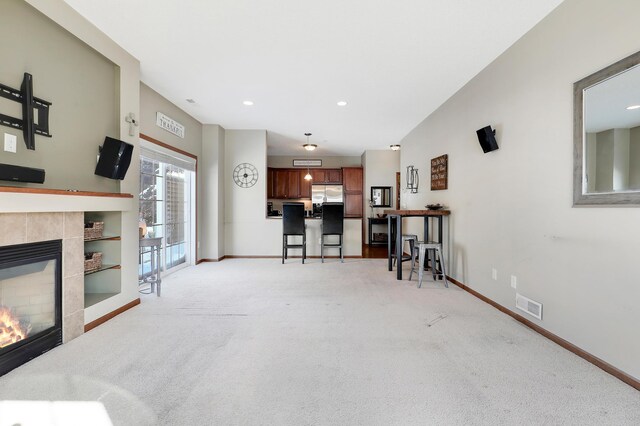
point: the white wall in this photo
(380, 168)
(512, 208)
(222, 172)
(212, 170)
(244, 212)
(152, 102)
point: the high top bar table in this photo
(396, 216)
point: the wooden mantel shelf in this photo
(15, 189)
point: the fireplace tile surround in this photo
(19, 228)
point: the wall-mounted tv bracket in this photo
(25, 97)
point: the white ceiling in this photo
(394, 62)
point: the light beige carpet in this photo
(254, 342)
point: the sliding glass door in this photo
(166, 207)
(177, 208)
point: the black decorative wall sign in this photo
(25, 97)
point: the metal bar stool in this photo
(426, 249)
(412, 239)
(154, 278)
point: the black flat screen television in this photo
(115, 157)
(487, 138)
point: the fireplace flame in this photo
(10, 329)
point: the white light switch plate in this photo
(10, 142)
(514, 281)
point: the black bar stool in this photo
(293, 225)
(332, 224)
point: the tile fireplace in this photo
(34, 217)
(30, 301)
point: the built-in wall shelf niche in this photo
(105, 282)
(91, 299)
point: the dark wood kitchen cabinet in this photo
(294, 184)
(280, 183)
(352, 179)
(305, 185)
(270, 173)
(287, 184)
(333, 176)
(352, 205)
(290, 183)
(318, 175)
(326, 176)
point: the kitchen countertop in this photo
(271, 237)
(315, 218)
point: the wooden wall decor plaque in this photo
(439, 172)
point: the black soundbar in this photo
(21, 174)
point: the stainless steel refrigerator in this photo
(326, 194)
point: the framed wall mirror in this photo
(381, 196)
(607, 135)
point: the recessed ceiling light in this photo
(395, 147)
(342, 103)
(248, 103)
(633, 107)
(191, 101)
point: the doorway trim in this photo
(190, 155)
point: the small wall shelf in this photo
(103, 238)
(105, 282)
(104, 267)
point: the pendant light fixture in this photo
(309, 147)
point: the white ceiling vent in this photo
(529, 306)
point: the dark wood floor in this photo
(374, 252)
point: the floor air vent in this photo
(529, 306)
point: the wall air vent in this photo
(529, 306)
